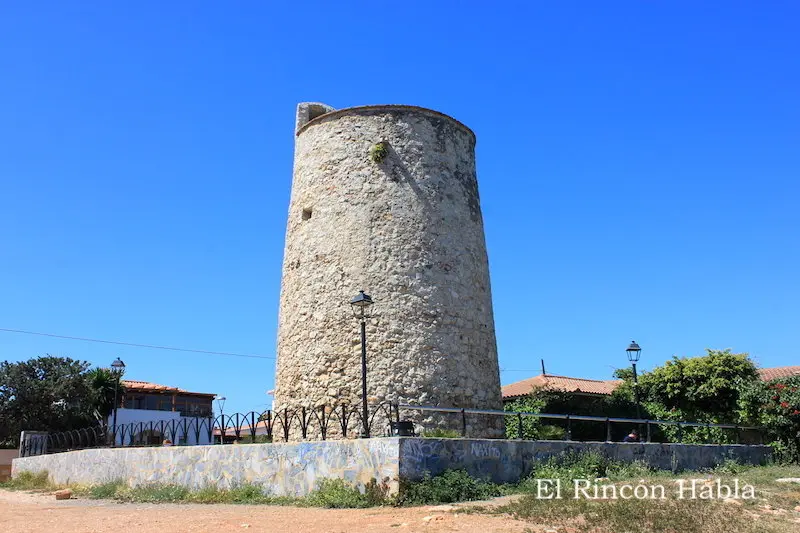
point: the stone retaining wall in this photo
(282, 469)
(506, 461)
(295, 469)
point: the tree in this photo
(775, 406)
(46, 393)
(103, 384)
(697, 389)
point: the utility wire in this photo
(138, 345)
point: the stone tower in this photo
(385, 199)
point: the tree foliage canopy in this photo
(50, 394)
(701, 388)
(694, 389)
(775, 405)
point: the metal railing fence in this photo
(322, 423)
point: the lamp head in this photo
(633, 351)
(361, 304)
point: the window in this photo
(193, 406)
(133, 401)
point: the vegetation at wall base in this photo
(339, 494)
(448, 487)
(330, 493)
(28, 481)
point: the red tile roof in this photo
(564, 383)
(146, 386)
(768, 374)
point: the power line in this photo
(137, 345)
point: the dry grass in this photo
(771, 511)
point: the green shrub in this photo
(247, 494)
(617, 470)
(339, 494)
(379, 152)
(28, 481)
(450, 486)
(730, 467)
(590, 465)
(244, 494)
(572, 466)
(106, 491)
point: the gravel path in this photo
(22, 512)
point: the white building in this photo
(149, 413)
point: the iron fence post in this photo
(519, 424)
(463, 423)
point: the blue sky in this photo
(638, 165)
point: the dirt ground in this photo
(22, 512)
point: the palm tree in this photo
(102, 382)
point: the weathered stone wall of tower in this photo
(407, 230)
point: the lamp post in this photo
(118, 368)
(634, 351)
(361, 305)
(221, 405)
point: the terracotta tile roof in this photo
(768, 374)
(568, 384)
(146, 386)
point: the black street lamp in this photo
(361, 305)
(118, 368)
(634, 351)
(221, 405)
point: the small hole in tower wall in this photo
(307, 213)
